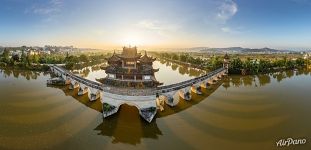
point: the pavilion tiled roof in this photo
(114, 57)
(130, 52)
(119, 70)
(226, 56)
(145, 58)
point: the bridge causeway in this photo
(146, 100)
(187, 83)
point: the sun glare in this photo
(132, 39)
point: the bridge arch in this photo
(73, 84)
(83, 89)
(94, 94)
(130, 104)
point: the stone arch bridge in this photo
(147, 100)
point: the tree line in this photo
(211, 64)
(237, 66)
(27, 61)
(248, 66)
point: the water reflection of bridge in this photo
(128, 117)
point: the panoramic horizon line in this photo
(161, 48)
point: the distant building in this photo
(58, 49)
(33, 52)
(306, 56)
(17, 53)
(45, 52)
(255, 61)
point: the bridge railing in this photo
(80, 79)
(180, 85)
(161, 89)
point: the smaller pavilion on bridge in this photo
(226, 62)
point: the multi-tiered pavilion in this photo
(130, 69)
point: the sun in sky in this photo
(131, 38)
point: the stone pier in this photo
(145, 104)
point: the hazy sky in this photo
(282, 24)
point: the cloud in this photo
(226, 29)
(49, 9)
(303, 2)
(157, 25)
(150, 25)
(160, 28)
(226, 10)
(229, 30)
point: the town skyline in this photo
(282, 25)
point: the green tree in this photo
(216, 62)
(289, 64)
(23, 56)
(15, 58)
(300, 62)
(6, 55)
(235, 66)
(184, 57)
(29, 59)
(35, 58)
(175, 56)
(84, 58)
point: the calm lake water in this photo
(241, 112)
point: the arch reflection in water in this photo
(126, 126)
(249, 80)
(182, 68)
(28, 75)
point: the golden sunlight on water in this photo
(240, 112)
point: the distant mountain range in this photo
(239, 50)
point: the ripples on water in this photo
(241, 112)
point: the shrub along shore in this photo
(39, 62)
(237, 65)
